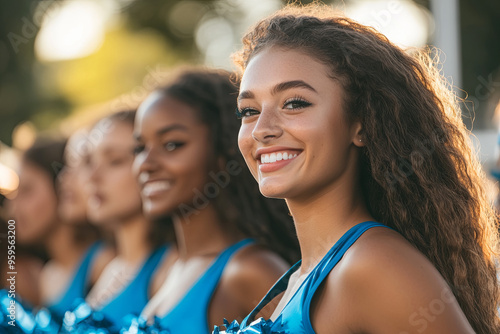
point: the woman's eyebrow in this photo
(282, 86)
(291, 84)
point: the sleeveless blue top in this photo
(295, 318)
(190, 315)
(135, 296)
(79, 285)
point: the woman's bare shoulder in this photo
(389, 286)
(255, 267)
(104, 256)
(250, 274)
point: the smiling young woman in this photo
(114, 203)
(350, 130)
(189, 169)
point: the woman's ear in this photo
(358, 134)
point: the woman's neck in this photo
(322, 219)
(131, 237)
(62, 247)
(201, 233)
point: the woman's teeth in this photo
(156, 186)
(273, 157)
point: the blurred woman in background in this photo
(38, 222)
(72, 210)
(114, 204)
(189, 168)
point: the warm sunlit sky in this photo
(88, 55)
(76, 28)
(83, 46)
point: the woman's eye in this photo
(245, 112)
(170, 146)
(296, 103)
(117, 161)
(138, 149)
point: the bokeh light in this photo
(74, 29)
(402, 21)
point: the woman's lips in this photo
(95, 201)
(270, 162)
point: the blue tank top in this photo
(135, 296)
(294, 318)
(79, 285)
(190, 315)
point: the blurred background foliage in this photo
(58, 73)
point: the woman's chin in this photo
(272, 192)
(154, 210)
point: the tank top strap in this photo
(79, 284)
(278, 287)
(209, 280)
(329, 261)
(133, 298)
(193, 307)
(149, 267)
(308, 287)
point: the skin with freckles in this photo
(289, 103)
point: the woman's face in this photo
(35, 207)
(173, 156)
(72, 181)
(294, 135)
(113, 192)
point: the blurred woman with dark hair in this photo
(72, 210)
(189, 169)
(67, 274)
(114, 204)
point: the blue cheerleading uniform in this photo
(190, 315)
(134, 297)
(295, 317)
(79, 285)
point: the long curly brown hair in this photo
(419, 174)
